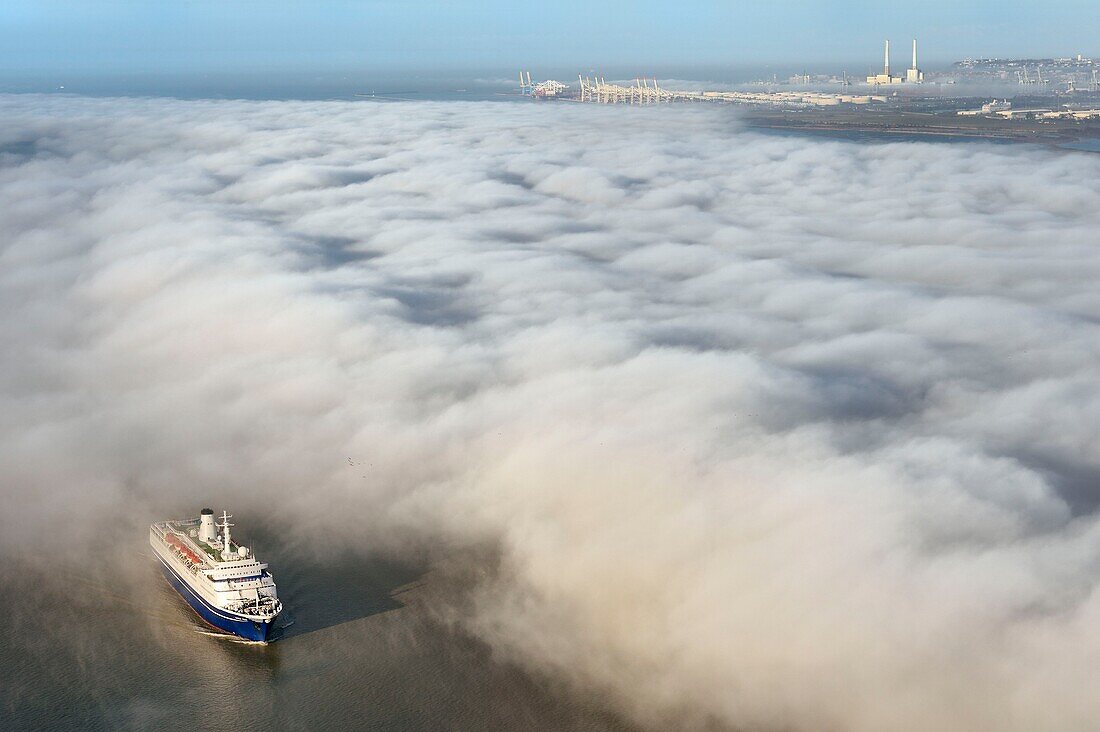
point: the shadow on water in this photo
(322, 591)
(331, 594)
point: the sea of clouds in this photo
(773, 432)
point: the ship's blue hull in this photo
(247, 629)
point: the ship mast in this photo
(224, 526)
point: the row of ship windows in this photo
(241, 579)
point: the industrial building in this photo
(884, 78)
(912, 75)
(988, 109)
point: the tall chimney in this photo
(887, 55)
(914, 54)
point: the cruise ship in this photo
(227, 586)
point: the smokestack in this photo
(887, 55)
(207, 530)
(914, 54)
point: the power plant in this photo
(885, 77)
(912, 75)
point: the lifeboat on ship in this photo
(176, 542)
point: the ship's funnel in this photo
(207, 531)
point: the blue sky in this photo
(248, 35)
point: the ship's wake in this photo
(226, 637)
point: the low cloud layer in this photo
(771, 432)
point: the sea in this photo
(108, 644)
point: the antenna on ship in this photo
(224, 526)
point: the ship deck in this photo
(183, 528)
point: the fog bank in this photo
(773, 432)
